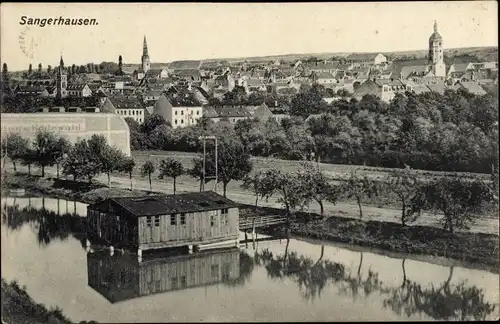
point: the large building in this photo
(73, 126)
(156, 222)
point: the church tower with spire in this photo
(61, 81)
(436, 55)
(146, 64)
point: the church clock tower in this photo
(436, 55)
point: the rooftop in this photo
(171, 204)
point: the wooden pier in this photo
(246, 223)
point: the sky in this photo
(180, 31)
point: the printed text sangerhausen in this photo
(61, 21)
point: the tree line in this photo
(458, 199)
(455, 131)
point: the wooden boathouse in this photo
(122, 277)
(164, 221)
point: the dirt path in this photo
(236, 193)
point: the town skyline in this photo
(181, 39)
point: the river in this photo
(43, 248)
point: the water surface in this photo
(43, 248)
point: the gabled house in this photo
(262, 112)
(254, 85)
(126, 106)
(177, 111)
(227, 113)
(472, 87)
(384, 89)
(79, 90)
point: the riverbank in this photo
(19, 308)
(468, 247)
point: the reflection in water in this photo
(48, 224)
(446, 302)
(121, 277)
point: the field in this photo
(382, 208)
(334, 171)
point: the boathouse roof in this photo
(169, 204)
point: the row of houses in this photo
(183, 114)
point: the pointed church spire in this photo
(61, 62)
(435, 26)
(145, 47)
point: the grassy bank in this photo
(476, 248)
(66, 189)
(19, 308)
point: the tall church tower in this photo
(146, 64)
(436, 56)
(61, 81)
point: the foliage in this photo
(61, 149)
(316, 186)
(405, 185)
(147, 169)
(286, 186)
(457, 198)
(233, 163)
(127, 165)
(45, 148)
(81, 162)
(358, 187)
(170, 168)
(14, 147)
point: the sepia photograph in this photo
(249, 162)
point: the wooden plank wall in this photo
(191, 272)
(197, 227)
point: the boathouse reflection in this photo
(120, 277)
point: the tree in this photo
(28, 158)
(39, 68)
(404, 184)
(287, 186)
(315, 185)
(44, 147)
(128, 165)
(359, 188)
(457, 198)
(197, 171)
(111, 159)
(147, 169)
(233, 163)
(73, 69)
(30, 69)
(81, 162)
(253, 182)
(49, 69)
(61, 149)
(151, 122)
(172, 169)
(14, 147)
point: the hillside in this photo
(455, 55)
(452, 55)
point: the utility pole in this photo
(204, 138)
